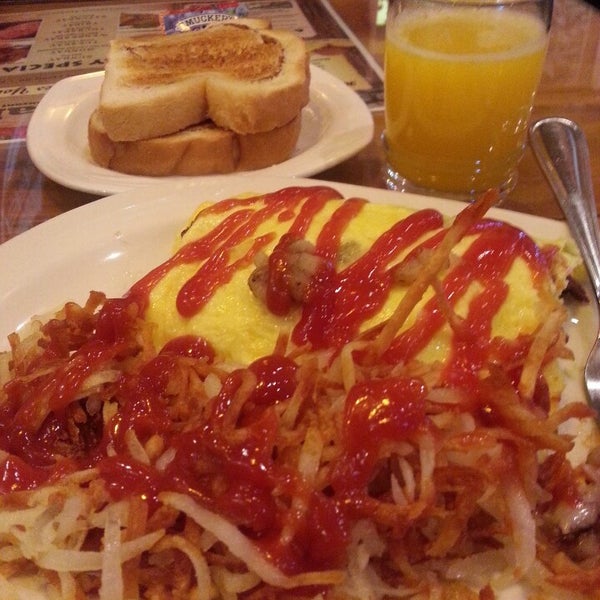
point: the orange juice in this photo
(458, 92)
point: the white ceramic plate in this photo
(110, 243)
(336, 124)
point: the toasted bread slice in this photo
(242, 79)
(199, 150)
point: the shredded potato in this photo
(142, 474)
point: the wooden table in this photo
(570, 87)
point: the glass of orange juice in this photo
(460, 78)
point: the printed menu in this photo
(39, 48)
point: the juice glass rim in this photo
(486, 3)
(546, 5)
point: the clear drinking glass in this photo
(460, 78)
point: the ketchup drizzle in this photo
(359, 291)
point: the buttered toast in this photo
(242, 79)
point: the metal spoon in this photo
(561, 150)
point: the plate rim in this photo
(327, 92)
(161, 190)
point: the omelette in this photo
(499, 283)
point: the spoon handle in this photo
(561, 150)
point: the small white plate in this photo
(336, 124)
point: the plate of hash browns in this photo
(290, 388)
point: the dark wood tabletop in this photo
(570, 88)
